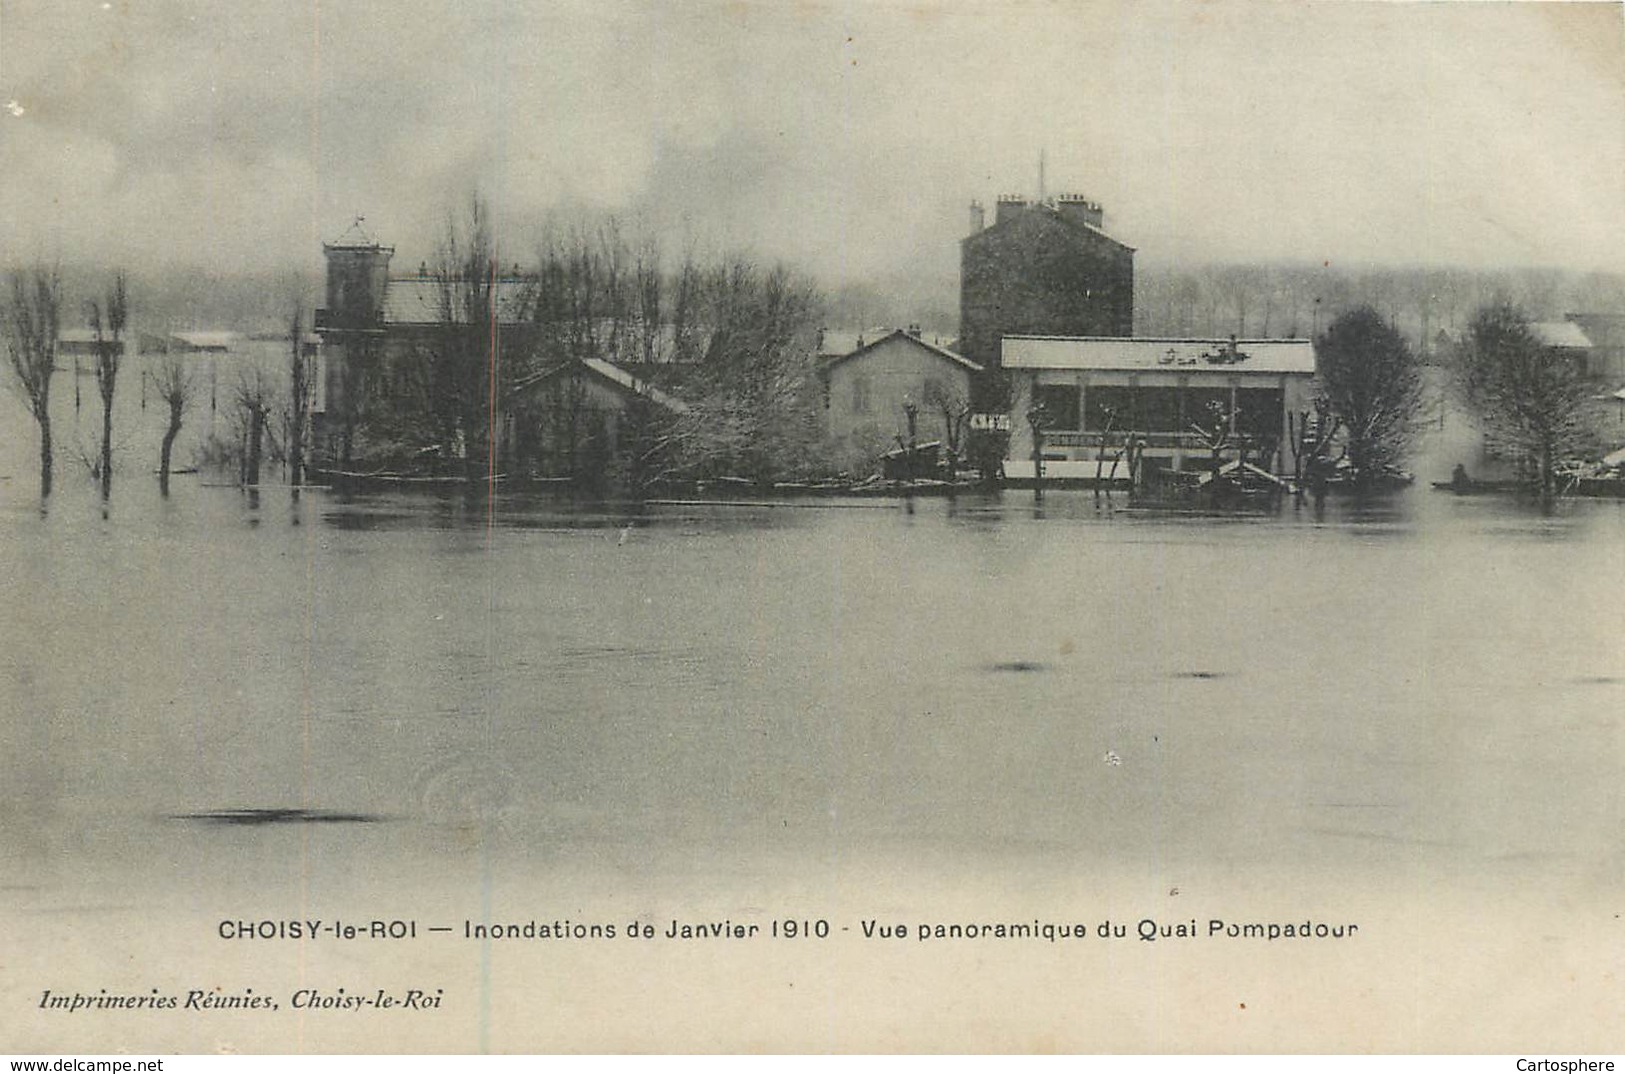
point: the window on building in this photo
(1113, 406)
(1258, 412)
(1207, 407)
(860, 395)
(1158, 409)
(1060, 404)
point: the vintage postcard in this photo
(811, 527)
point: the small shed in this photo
(580, 419)
(82, 343)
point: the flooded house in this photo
(1094, 392)
(868, 390)
(582, 420)
(1604, 335)
(375, 329)
(210, 341)
(379, 333)
(80, 343)
(1568, 341)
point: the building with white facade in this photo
(1095, 391)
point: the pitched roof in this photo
(836, 342)
(205, 341)
(609, 372)
(417, 300)
(1606, 331)
(1560, 334)
(355, 237)
(898, 333)
(1144, 353)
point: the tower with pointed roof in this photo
(351, 326)
(357, 275)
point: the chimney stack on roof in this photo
(978, 217)
(1008, 206)
(1079, 208)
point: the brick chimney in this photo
(1008, 207)
(1078, 208)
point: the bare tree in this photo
(1373, 381)
(173, 381)
(1215, 435)
(649, 289)
(107, 320)
(1531, 398)
(1310, 435)
(1109, 416)
(464, 359)
(955, 409)
(1237, 285)
(254, 399)
(1037, 422)
(32, 322)
(755, 380)
(300, 391)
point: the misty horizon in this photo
(846, 140)
(1189, 300)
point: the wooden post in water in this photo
(1035, 420)
(912, 414)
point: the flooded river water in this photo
(1403, 716)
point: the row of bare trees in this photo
(31, 318)
(32, 323)
(1285, 299)
(733, 340)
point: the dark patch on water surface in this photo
(1200, 674)
(278, 816)
(365, 521)
(1018, 666)
(1600, 680)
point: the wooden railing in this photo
(1163, 441)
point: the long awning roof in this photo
(1140, 353)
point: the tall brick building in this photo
(1042, 268)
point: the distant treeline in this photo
(1258, 299)
(1278, 299)
(1296, 300)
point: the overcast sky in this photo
(847, 138)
